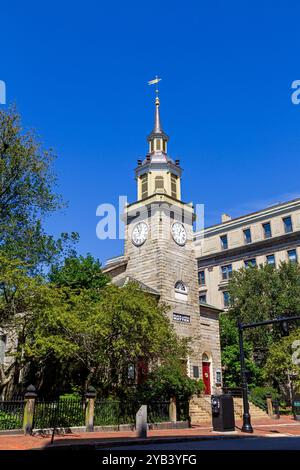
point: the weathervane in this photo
(155, 82)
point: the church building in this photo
(159, 255)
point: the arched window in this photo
(181, 291)
(205, 358)
(181, 287)
(159, 183)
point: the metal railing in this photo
(233, 391)
(11, 415)
(63, 413)
(182, 411)
(69, 412)
(259, 402)
(115, 412)
(158, 412)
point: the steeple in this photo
(158, 173)
(157, 139)
(157, 126)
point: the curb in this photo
(151, 440)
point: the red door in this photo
(206, 377)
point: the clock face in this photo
(179, 233)
(139, 233)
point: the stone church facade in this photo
(159, 254)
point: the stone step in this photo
(200, 410)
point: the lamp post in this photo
(246, 414)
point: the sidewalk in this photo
(285, 426)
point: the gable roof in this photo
(124, 280)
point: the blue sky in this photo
(78, 73)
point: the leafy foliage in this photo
(96, 338)
(257, 294)
(170, 380)
(78, 272)
(282, 364)
(26, 194)
(263, 293)
(231, 355)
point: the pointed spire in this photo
(157, 138)
(157, 124)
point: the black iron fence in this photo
(182, 411)
(64, 413)
(233, 391)
(158, 412)
(109, 412)
(114, 412)
(11, 415)
(71, 412)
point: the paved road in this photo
(261, 443)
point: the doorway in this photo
(206, 374)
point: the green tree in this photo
(78, 272)
(282, 367)
(26, 194)
(169, 379)
(21, 299)
(231, 355)
(257, 294)
(97, 338)
(263, 293)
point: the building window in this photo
(3, 339)
(292, 255)
(164, 146)
(226, 271)
(271, 260)
(181, 287)
(224, 242)
(201, 278)
(144, 185)
(226, 299)
(250, 262)
(218, 377)
(159, 182)
(181, 291)
(174, 186)
(202, 298)
(158, 144)
(267, 230)
(131, 372)
(196, 372)
(151, 146)
(247, 235)
(288, 225)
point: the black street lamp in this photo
(247, 427)
(246, 415)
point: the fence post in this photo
(173, 410)
(90, 396)
(30, 397)
(270, 406)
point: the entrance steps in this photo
(200, 410)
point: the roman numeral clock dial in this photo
(139, 234)
(179, 233)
